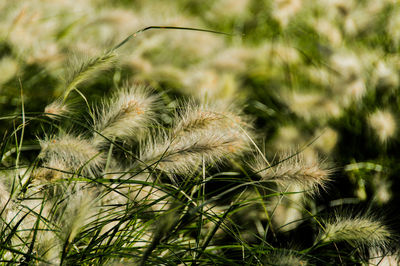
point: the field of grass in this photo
(227, 132)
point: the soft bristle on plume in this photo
(127, 115)
(78, 213)
(70, 153)
(295, 170)
(362, 231)
(199, 133)
(282, 257)
(57, 109)
(82, 72)
(384, 124)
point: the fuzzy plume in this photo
(199, 133)
(48, 246)
(80, 208)
(361, 231)
(384, 124)
(127, 115)
(57, 109)
(295, 170)
(79, 75)
(284, 257)
(69, 153)
(86, 70)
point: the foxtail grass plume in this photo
(57, 109)
(384, 124)
(348, 65)
(326, 140)
(311, 105)
(78, 212)
(200, 132)
(127, 115)
(48, 246)
(80, 74)
(69, 153)
(86, 70)
(234, 59)
(329, 30)
(293, 170)
(385, 75)
(284, 257)
(354, 90)
(361, 231)
(285, 10)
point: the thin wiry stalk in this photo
(133, 35)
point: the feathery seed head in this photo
(56, 109)
(327, 140)
(86, 70)
(347, 64)
(384, 124)
(207, 117)
(48, 246)
(48, 172)
(199, 133)
(284, 10)
(355, 90)
(361, 231)
(282, 257)
(329, 30)
(196, 118)
(127, 115)
(80, 208)
(295, 170)
(310, 105)
(386, 75)
(67, 152)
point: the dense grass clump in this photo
(123, 184)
